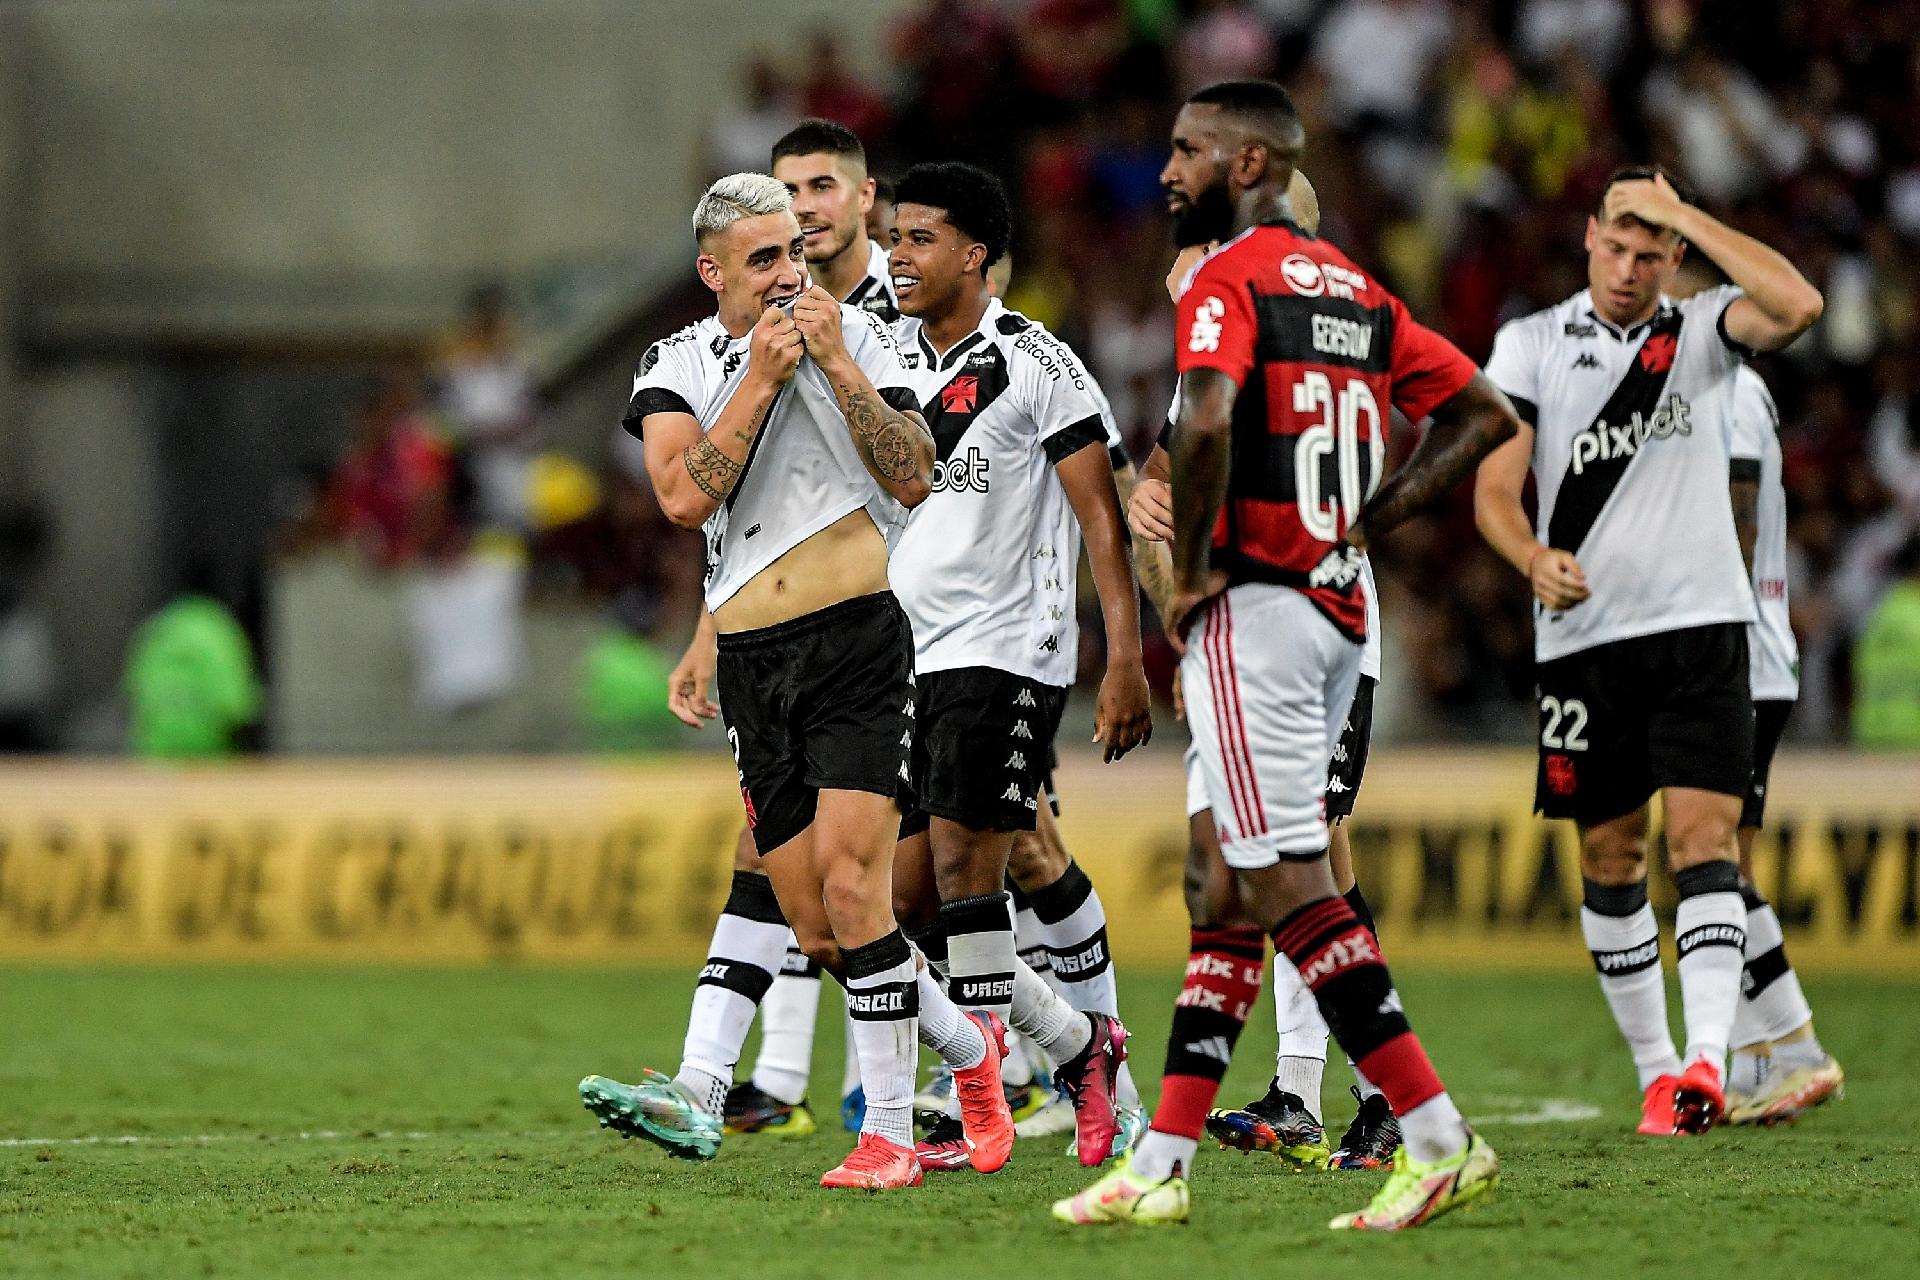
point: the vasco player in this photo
(824, 168)
(793, 441)
(1779, 1068)
(1642, 603)
(1290, 359)
(985, 570)
(1286, 1120)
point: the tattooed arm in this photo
(1152, 562)
(1468, 426)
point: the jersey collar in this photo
(982, 332)
(1633, 333)
(876, 277)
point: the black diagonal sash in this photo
(753, 450)
(1584, 493)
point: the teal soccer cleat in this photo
(658, 1110)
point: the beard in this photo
(1208, 217)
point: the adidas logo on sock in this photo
(1214, 1047)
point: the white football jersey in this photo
(875, 292)
(1633, 432)
(1772, 655)
(804, 471)
(986, 568)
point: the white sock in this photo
(1040, 1013)
(980, 955)
(1073, 924)
(1625, 944)
(1160, 1155)
(787, 1019)
(1300, 1062)
(1368, 1089)
(945, 1029)
(748, 941)
(1710, 928)
(1746, 1071)
(883, 997)
(1772, 1004)
(1433, 1130)
(1017, 1068)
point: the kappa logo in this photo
(1586, 360)
(1205, 334)
(906, 739)
(1012, 793)
(733, 362)
(1020, 730)
(1050, 645)
(1656, 353)
(1017, 760)
(1024, 698)
(909, 708)
(904, 775)
(960, 395)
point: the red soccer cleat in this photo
(984, 1115)
(875, 1164)
(1656, 1109)
(1698, 1099)
(1088, 1081)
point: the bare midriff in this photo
(845, 560)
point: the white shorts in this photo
(1198, 801)
(1268, 681)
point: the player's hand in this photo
(775, 349)
(1186, 604)
(1652, 201)
(817, 316)
(1124, 718)
(1557, 579)
(1183, 264)
(1150, 510)
(688, 683)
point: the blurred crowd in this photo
(1457, 149)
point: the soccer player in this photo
(1779, 1068)
(1286, 1120)
(1290, 359)
(1642, 601)
(783, 427)
(985, 570)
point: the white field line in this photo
(1539, 1111)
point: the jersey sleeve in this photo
(1215, 325)
(1054, 389)
(1514, 367)
(1427, 369)
(667, 381)
(871, 344)
(1754, 421)
(1713, 303)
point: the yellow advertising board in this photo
(590, 861)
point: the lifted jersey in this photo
(1632, 434)
(986, 566)
(804, 471)
(1775, 657)
(875, 292)
(1320, 352)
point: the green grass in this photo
(459, 1147)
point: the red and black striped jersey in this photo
(1320, 352)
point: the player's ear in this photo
(867, 189)
(976, 259)
(1593, 229)
(708, 268)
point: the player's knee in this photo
(747, 858)
(820, 948)
(1213, 898)
(1032, 863)
(1613, 857)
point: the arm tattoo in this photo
(713, 471)
(1447, 455)
(886, 436)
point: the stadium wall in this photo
(586, 861)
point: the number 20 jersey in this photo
(1321, 352)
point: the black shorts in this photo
(818, 703)
(1622, 720)
(1349, 763)
(1769, 722)
(981, 748)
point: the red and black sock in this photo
(1223, 981)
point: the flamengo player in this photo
(1290, 358)
(800, 430)
(1779, 1069)
(1640, 629)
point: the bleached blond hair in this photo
(737, 196)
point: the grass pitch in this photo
(424, 1123)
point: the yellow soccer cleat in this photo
(1784, 1096)
(1418, 1193)
(1122, 1196)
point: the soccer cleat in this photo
(1657, 1119)
(1371, 1139)
(1132, 1122)
(1698, 1102)
(1053, 1116)
(1784, 1096)
(657, 1109)
(751, 1109)
(1123, 1197)
(1028, 1100)
(944, 1147)
(875, 1164)
(931, 1102)
(853, 1109)
(1088, 1081)
(984, 1116)
(1418, 1193)
(1279, 1123)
